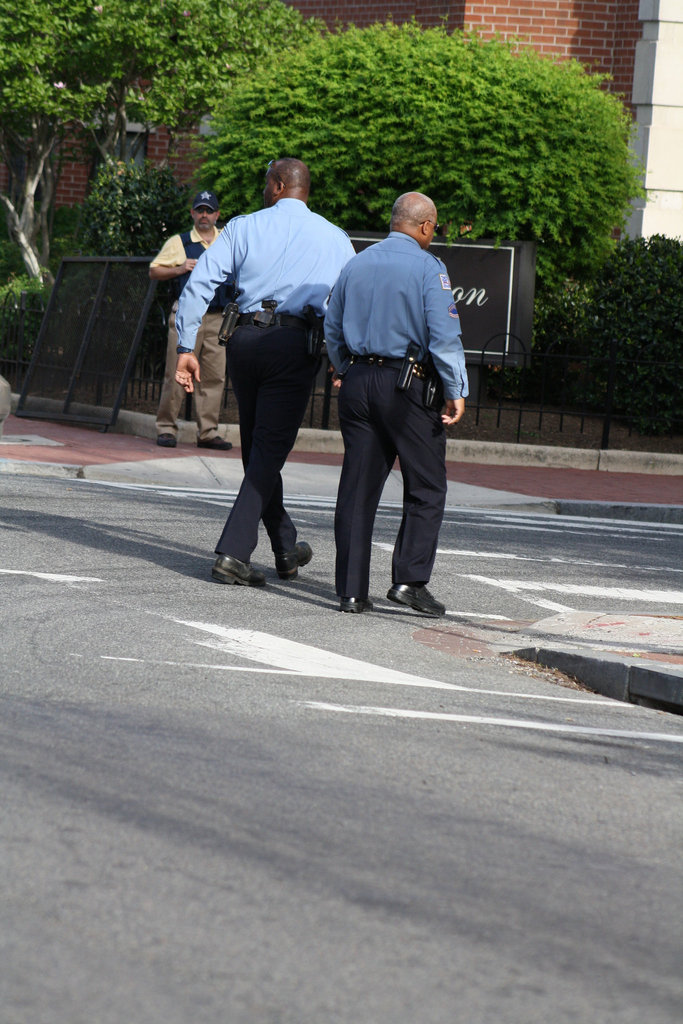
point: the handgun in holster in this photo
(314, 332)
(405, 374)
(266, 315)
(231, 315)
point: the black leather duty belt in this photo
(277, 320)
(419, 370)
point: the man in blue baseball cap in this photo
(175, 263)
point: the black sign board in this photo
(493, 288)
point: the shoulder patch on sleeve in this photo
(445, 282)
(452, 311)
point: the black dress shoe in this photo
(216, 443)
(166, 440)
(355, 604)
(417, 598)
(227, 569)
(287, 564)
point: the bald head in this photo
(286, 178)
(294, 174)
(414, 214)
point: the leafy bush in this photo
(633, 308)
(131, 210)
(23, 283)
(516, 144)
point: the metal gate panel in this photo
(88, 340)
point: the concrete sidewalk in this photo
(629, 657)
(567, 481)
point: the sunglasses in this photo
(271, 167)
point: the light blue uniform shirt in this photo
(283, 252)
(390, 294)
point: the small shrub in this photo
(131, 210)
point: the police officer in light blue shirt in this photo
(393, 335)
(283, 258)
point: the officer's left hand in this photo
(455, 410)
(187, 371)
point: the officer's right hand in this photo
(188, 266)
(455, 410)
(187, 371)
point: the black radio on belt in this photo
(231, 315)
(265, 316)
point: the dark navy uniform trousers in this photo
(272, 375)
(379, 423)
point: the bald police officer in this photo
(392, 300)
(283, 258)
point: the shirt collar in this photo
(405, 237)
(196, 237)
(292, 204)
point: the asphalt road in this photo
(232, 805)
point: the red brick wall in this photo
(356, 12)
(75, 175)
(73, 183)
(600, 33)
(182, 159)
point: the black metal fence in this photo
(20, 320)
(559, 397)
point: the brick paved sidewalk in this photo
(71, 444)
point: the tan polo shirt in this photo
(172, 253)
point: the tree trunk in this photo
(28, 252)
(25, 227)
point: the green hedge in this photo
(514, 143)
(636, 304)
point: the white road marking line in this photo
(480, 615)
(310, 661)
(556, 525)
(582, 590)
(509, 723)
(553, 560)
(301, 659)
(200, 664)
(54, 577)
(551, 606)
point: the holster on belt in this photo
(230, 317)
(405, 374)
(266, 315)
(314, 332)
(432, 389)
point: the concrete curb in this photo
(612, 675)
(485, 452)
(616, 510)
(18, 468)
